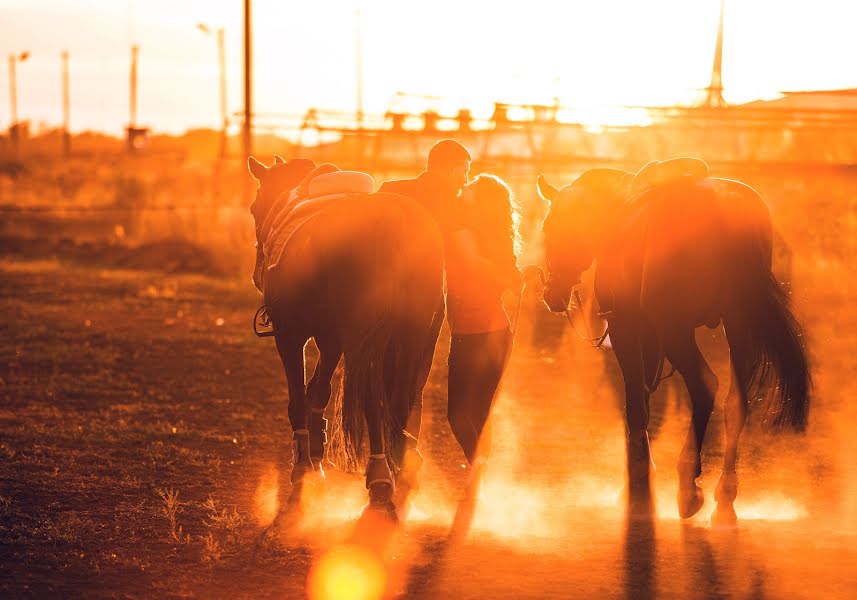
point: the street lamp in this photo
(14, 59)
(66, 132)
(221, 55)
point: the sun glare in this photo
(347, 573)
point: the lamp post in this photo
(66, 131)
(219, 33)
(14, 129)
(248, 80)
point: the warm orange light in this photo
(347, 573)
(770, 508)
(267, 500)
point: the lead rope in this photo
(528, 272)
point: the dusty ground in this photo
(143, 438)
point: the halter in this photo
(597, 341)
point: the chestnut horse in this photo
(361, 276)
(676, 249)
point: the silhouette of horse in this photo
(360, 273)
(676, 249)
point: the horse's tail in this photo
(767, 346)
(384, 367)
(362, 383)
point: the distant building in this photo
(816, 100)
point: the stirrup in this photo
(262, 319)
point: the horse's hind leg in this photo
(409, 457)
(318, 397)
(379, 477)
(735, 415)
(684, 354)
(291, 354)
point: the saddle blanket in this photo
(321, 189)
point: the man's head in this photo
(450, 161)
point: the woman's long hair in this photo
(495, 219)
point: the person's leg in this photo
(495, 352)
(464, 368)
(476, 366)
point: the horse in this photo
(360, 274)
(676, 249)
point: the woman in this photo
(480, 267)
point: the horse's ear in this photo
(546, 191)
(278, 160)
(257, 169)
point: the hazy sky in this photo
(471, 52)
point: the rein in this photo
(596, 342)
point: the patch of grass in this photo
(224, 530)
(170, 511)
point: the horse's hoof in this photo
(690, 501)
(318, 471)
(380, 512)
(404, 492)
(727, 488)
(300, 471)
(724, 516)
(639, 501)
(295, 499)
(641, 474)
(287, 518)
(376, 526)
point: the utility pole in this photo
(224, 111)
(66, 110)
(359, 57)
(132, 99)
(220, 34)
(15, 127)
(137, 136)
(714, 95)
(13, 91)
(248, 81)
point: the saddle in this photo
(658, 173)
(323, 187)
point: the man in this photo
(437, 189)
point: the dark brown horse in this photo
(361, 276)
(676, 250)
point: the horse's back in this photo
(743, 209)
(689, 239)
(353, 251)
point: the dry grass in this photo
(135, 428)
(170, 510)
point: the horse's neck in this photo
(281, 204)
(614, 213)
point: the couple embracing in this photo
(476, 221)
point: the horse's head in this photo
(274, 182)
(577, 221)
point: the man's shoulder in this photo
(406, 187)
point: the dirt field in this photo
(145, 440)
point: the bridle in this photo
(596, 341)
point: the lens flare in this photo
(267, 500)
(347, 573)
